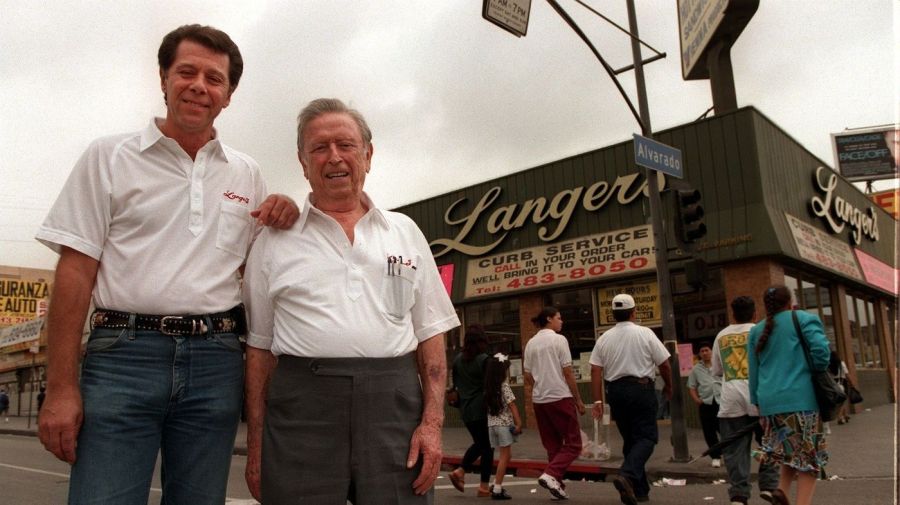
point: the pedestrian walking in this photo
(781, 387)
(4, 405)
(624, 361)
(706, 389)
(555, 397)
(838, 369)
(736, 413)
(468, 378)
(504, 422)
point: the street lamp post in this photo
(679, 435)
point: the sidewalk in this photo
(865, 447)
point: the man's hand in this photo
(580, 406)
(426, 440)
(597, 410)
(252, 472)
(277, 211)
(60, 421)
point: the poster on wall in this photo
(648, 310)
(592, 257)
(21, 336)
(22, 300)
(816, 246)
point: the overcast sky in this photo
(451, 98)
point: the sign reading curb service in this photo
(657, 156)
(592, 257)
(819, 248)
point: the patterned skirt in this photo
(794, 439)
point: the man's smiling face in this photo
(196, 88)
(335, 157)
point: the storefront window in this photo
(815, 298)
(578, 318)
(866, 348)
(500, 320)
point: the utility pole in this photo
(679, 435)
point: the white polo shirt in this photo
(628, 350)
(309, 292)
(546, 353)
(170, 232)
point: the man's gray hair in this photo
(321, 106)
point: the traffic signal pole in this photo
(679, 435)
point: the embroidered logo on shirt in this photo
(231, 195)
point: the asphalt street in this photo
(863, 468)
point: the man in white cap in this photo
(625, 359)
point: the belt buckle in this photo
(162, 325)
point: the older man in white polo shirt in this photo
(350, 305)
(625, 359)
(155, 225)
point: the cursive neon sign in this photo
(553, 214)
(837, 212)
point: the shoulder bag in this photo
(829, 396)
(853, 394)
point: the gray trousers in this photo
(339, 429)
(737, 458)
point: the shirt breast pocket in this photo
(233, 234)
(398, 291)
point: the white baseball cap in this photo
(622, 301)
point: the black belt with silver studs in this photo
(232, 321)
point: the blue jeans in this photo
(634, 409)
(145, 393)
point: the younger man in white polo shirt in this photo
(155, 226)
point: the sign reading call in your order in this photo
(591, 257)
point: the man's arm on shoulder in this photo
(62, 413)
(426, 440)
(260, 363)
(278, 211)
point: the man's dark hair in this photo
(743, 308)
(622, 315)
(543, 318)
(209, 37)
(701, 345)
(475, 342)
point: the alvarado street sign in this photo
(655, 156)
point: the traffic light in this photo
(690, 216)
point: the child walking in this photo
(503, 418)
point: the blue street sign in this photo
(655, 156)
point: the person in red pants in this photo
(554, 394)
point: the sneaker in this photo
(716, 463)
(550, 483)
(741, 500)
(502, 495)
(626, 493)
(766, 494)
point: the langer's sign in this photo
(837, 212)
(554, 214)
